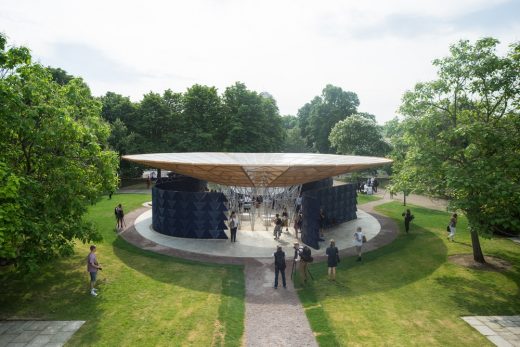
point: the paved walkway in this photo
(414, 199)
(259, 243)
(274, 317)
(503, 331)
(37, 333)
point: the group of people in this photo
(280, 222)
(451, 228)
(370, 185)
(303, 257)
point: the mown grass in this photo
(363, 198)
(146, 299)
(408, 293)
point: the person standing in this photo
(408, 217)
(322, 223)
(285, 219)
(359, 238)
(332, 260)
(277, 232)
(120, 216)
(92, 268)
(305, 260)
(452, 225)
(299, 200)
(279, 266)
(233, 226)
(298, 224)
(375, 184)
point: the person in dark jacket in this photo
(332, 259)
(279, 266)
(408, 217)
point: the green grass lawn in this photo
(363, 199)
(146, 299)
(407, 293)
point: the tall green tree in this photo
(158, 122)
(358, 135)
(318, 117)
(54, 160)
(202, 119)
(294, 141)
(252, 121)
(462, 133)
(116, 106)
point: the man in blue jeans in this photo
(279, 266)
(92, 268)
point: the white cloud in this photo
(290, 49)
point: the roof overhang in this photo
(257, 169)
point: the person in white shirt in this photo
(359, 238)
(298, 204)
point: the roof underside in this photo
(257, 169)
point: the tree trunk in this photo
(478, 256)
(404, 197)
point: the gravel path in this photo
(274, 317)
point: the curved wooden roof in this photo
(257, 169)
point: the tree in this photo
(54, 161)
(358, 135)
(318, 117)
(59, 76)
(462, 133)
(158, 124)
(116, 106)
(253, 123)
(203, 119)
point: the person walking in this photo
(120, 216)
(332, 260)
(279, 266)
(452, 225)
(359, 238)
(408, 217)
(233, 226)
(92, 268)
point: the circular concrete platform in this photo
(258, 243)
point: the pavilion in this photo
(184, 209)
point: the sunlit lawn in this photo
(145, 299)
(363, 198)
(407, 293)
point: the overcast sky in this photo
(290, 49)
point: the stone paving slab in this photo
(37, 333)
(503, 331)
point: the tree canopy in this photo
(318, 117)
(54, 160)
(239, 120)
(359, 135)
(462, 137)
